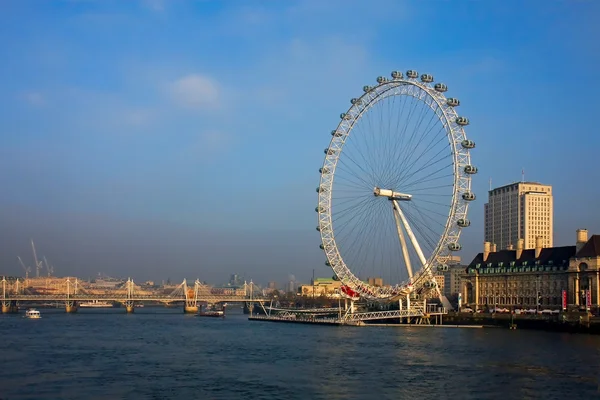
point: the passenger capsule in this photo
(412, 74)
(354, 100)
(426, 78)
(462, 121)
(463, 223)
(470, 169)
(336, 133)
(468, 144)
(321, 189)
(318, 229)
(427, 284)
(321, 246)
(440, 87)
(454, 246)
(328, 263)
(320, 209)
(381, 79)
(442, 268)
(433, 284)
(397, 75)
(323, 170)
(468, 196)
(367, 89)
(452, 102)
(329, 152)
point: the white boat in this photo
(96, 304)
(33, 314)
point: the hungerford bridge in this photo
(71, 293)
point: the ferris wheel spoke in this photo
(351, 170)
(410, 185)
(412, 163)
(432, 187)
(426, 219)
(433, 202)
(353, 208)
(439, 214)
(402, 179)
(428, 175)
(351, 185)
(409, 147)
(359, 237)
(360, 218)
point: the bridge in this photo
(72, 293)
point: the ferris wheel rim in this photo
(461, 181)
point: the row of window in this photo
(521, 268)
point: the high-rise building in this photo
(521, 210)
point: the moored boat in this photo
(214, 314)
(96, 304)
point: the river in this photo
(162, 354)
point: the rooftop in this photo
(591, 248)
(548, 255)
(518, 183)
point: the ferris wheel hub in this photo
(391, 195)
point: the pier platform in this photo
(316, 321)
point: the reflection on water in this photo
(107, 354)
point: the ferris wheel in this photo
(395, 187)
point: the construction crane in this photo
(26, 269)
(49, 268)
(38, 264)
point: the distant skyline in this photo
(171, 139)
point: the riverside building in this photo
(535, 278)
(522, 210)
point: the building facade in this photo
(452, 280)
(535, 278)
(519, 210)
(327, 287)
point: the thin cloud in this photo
(196, 91)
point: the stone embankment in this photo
(574, 322)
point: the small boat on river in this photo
(32, 313)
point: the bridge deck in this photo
(119, 297)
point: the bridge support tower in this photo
(129, 306)
(8, 306)
(191, 297)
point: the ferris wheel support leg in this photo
(396, 208)
(411, 235)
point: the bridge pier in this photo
(10, 307)
(129, 307)
(71, 307)
(190, 309)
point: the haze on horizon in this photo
(159, 139)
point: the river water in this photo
(162, 354)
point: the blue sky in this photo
(182, 138)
